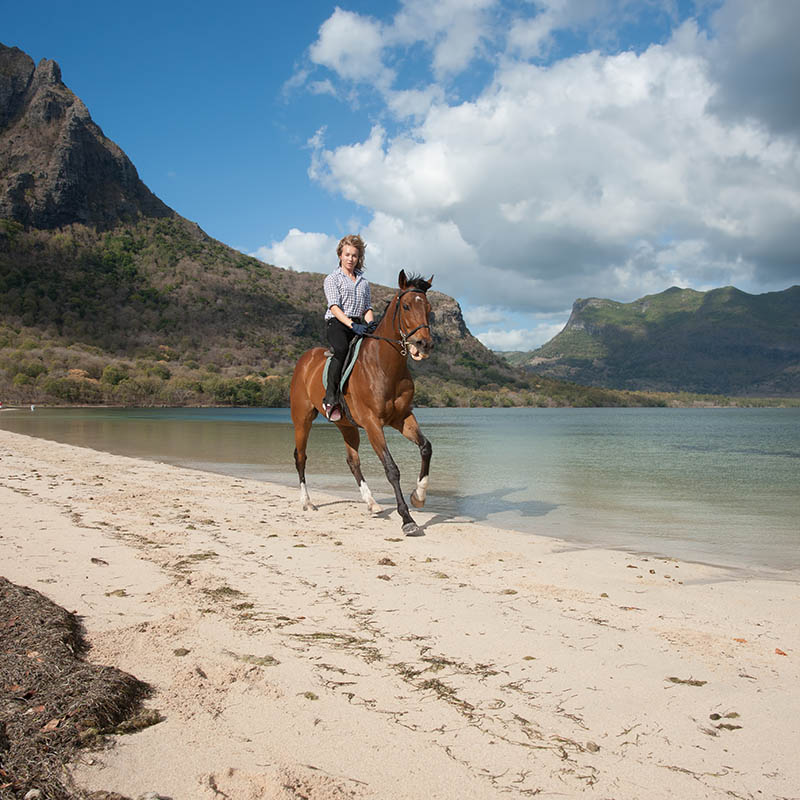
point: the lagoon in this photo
(713, 485)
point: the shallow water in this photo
(715, 485)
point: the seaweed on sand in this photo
(52, 701)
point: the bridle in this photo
(398, 318)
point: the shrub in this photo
(114, 374)
(73, 390)
(160, 371)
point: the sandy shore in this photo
(321, 654)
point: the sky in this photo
(526, 153)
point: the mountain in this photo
(57, 168)
(108, 295)
(723, 341)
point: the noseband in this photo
(404, 337)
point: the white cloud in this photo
(414, 103)
(308, 252)
(322, 87)
(452, 29)
(483, 315)
(606, 173)
(520, 338)
(351, 45)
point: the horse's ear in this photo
(401, 279)
(430, 281)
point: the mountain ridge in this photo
(721, 341)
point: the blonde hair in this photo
(356, 241)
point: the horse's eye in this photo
(406, 307)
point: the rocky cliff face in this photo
(56, 166)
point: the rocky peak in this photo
(56, 165)
(16, 71)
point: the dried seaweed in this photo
(52, 701)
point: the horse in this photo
(379, 392)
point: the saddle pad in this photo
(352, 355)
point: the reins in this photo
(404, 337)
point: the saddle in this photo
(349, 362)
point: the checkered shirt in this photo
(353, 298)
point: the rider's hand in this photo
(359, 328)
(371, 326)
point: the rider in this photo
(349, 313)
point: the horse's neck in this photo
(389, 326)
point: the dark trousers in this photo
(339, 338)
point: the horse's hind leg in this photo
(302, 427)
(410, 429)
(351, 442)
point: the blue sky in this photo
(526, 153)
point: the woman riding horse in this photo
(379, 392)
(349, 313)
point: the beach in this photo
(322, 654)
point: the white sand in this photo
(331, 657)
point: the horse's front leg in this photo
(351, 442)
(378, 442)
(409, 427)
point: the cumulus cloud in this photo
(351, 45)
(452, 29)
(484, 315)
(518, 339)
(610, 172)
(309, 252)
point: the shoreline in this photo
(325, 652)
(684, 527)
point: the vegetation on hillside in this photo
(159, 314)
(719, 342)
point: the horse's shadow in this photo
(456, 508)
(450, 509)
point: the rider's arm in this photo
(368, 315)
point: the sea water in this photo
(714, 485)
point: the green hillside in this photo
(723, 342)
(158, 313)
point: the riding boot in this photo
(332, 396)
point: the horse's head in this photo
(412, 312)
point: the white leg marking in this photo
(305, 500)
(366, 495)
(418, 495)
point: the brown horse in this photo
(379, 393)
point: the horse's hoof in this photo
(415, 501)
(412, 529)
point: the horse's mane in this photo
(413, 281)
(418, 282)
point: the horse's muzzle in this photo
(420, 348)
